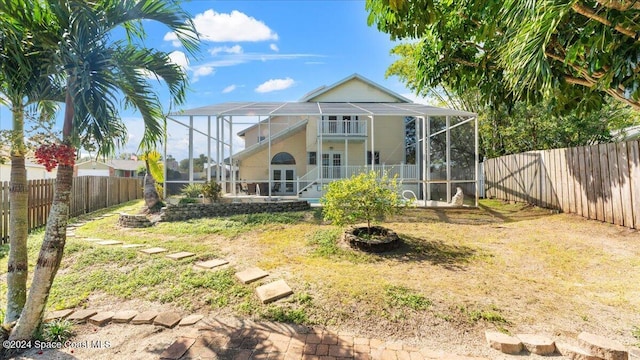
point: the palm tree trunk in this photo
(52, 247)
(151, 197)
(49, 259)
(17, 266)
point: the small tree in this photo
(363, 197)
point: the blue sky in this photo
(268, 51)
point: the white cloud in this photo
(229, 89)
(201, 71)
(274, 47)
(236, 26)
(236, 49)
(274, 85)
(179, 58)
(173, 38)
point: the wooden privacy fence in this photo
(88, 193)
(600, 182)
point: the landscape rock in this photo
(503, 342)
(574, 353)
(603, 347)
(101, 318)
(537, 344)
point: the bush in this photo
(363, 197)
(57, 331)
(211, 190)
(192, 190)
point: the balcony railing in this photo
(343, 128)
(403, 171)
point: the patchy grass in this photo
(505, 266)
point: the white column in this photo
(231, 162)
(269, 156)
(477, 159)
(190, 149)
(208, 148)
(373, 144)
(448, 155)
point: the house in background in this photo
(34, 171)
(336, 131)
(113, 168)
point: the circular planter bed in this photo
(380, 240)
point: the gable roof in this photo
(325, 89)
(274, 139)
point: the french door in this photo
(283, 181)
(332, 165)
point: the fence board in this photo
(625, 186)
(616, 198)
(88, 193)
(634, 180)
(597, 182)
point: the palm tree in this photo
(96, 72)
(20, 82)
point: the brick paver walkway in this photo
(244, 340)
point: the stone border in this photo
(182, 212)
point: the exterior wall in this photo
(88, 168)
(256, 166)
(389, 138)
(34, 172)
(278, 124)
(355, 90)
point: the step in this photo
(210, 264)
(180, 255)
(575, 353)
(537, 344)
(101, 318)
(273, 291)
(251, 274)
(603, 347)
(503, 342)
(123, 317)
(153, 250)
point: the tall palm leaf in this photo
(97, 71)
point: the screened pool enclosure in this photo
(293, 149)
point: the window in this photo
(261, 138)
(283, 158)
(312, 158)
(376, 155)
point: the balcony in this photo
(343, 128)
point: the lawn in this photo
(502, 266)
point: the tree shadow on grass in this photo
(436, 252)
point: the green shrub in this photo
(211, 190)
(192, 190)
(57, 331)
(363, 197)
(285, 315)
(188, 200)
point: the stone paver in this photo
(251, 275)
(503, 342)
(131, 246)
(123, 317)
(603, 347)
(273, 291)
(81, 316)
(90, 239)
(57, 315)
(177, 349)
(101, 318)
(190, 320)
(180, 255)
(167, 319)
(537, 344)
(145, 317)
(210, 264)
(153, 250)
(574, 352)
(109, 242)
